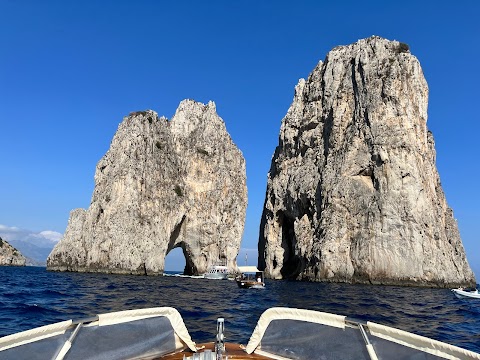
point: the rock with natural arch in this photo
(161, 185)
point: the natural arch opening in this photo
(175, 260)
(180, 260)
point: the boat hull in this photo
(462, 294)
(215, 276)
(246, 284)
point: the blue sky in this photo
(70, 71)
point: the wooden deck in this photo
(234, 352)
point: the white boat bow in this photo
(465, 294)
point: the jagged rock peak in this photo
(9, 256)
(375, 43)
(353, 193)
(192, 106)
(161, 185)
(192, 115)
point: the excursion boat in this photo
(250, 278)
(216, 272)
(281, 333)
(462, 293)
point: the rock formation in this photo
(9, 255)
(353, 192)
(161, 185)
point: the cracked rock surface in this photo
(353, 192)
(9, 256)
(161, 185)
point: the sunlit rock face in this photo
(9, 256)
(161, 185)
(353, 192)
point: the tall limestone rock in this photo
(353, 192)
(9, 256)
(161, 185)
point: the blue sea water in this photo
(32, 297)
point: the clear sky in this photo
(70, 70)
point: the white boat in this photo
(281, 333)
(465, 294)
(217, 272)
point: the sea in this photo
(32, 297)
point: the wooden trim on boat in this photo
(233, 350)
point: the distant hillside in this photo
(36, 255)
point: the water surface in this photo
(32, 297)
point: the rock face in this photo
(9, 256)
(353, 193)
(161, 185)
